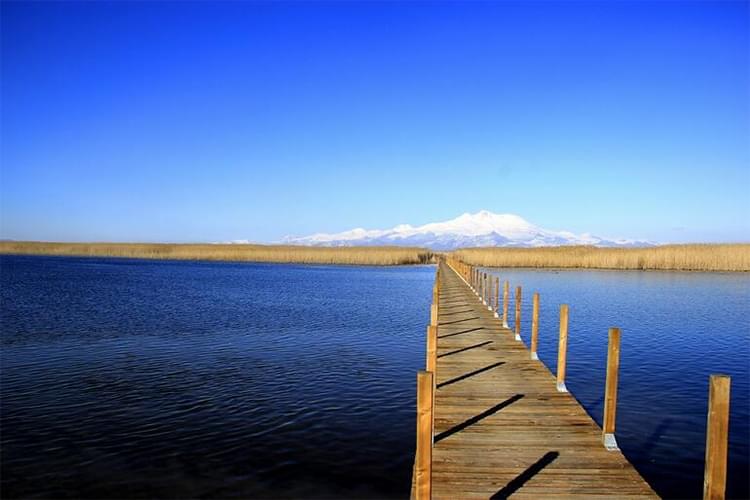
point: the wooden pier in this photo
(493, 421)
(502, 424)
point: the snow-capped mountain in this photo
(482, 229)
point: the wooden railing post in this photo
(488, 279)
(431, 348)
(423, 465)
(562, 348)
(506, 292)
(434, 314)
(518, 313)
(490, 290)
(497, 297)
(535, 326)
(717, 431)
(610, 391)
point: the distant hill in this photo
(482, 229)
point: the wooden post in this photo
(518, 313)
(506, 292)
(431, 348)
(497, 297)
(432, 341)
(434, 314)
(562, 349)
(423, 466)
(610, 391)
(535, 326)
(490, 289)
(717, 431)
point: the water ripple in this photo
(147, 379)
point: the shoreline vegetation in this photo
(693, 257)
(283, 254)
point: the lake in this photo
(134, 378)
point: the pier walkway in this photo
(501, 427)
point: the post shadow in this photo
(456, 312)
(457, 321)
(517, 483)
(460, 333)
(482, 344)
(470, 374)
(476, 418)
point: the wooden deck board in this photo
(501, 426)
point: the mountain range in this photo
(481, 229)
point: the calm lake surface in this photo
(132, 378)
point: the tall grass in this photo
(697, 257)
(381, 256)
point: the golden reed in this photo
(697, 257)
(694, 257)
(381, 256)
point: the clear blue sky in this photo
(145, 121)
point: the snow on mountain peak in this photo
(483, 228)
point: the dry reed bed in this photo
(381, 256)
(696, 257)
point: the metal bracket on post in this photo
(610, 443)
(561, 387)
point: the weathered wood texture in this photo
(501, 427)
(717, 432)
(425, 423)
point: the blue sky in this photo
(145, 121)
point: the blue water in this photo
(677, 329)
(128, 378)
(131, 378)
